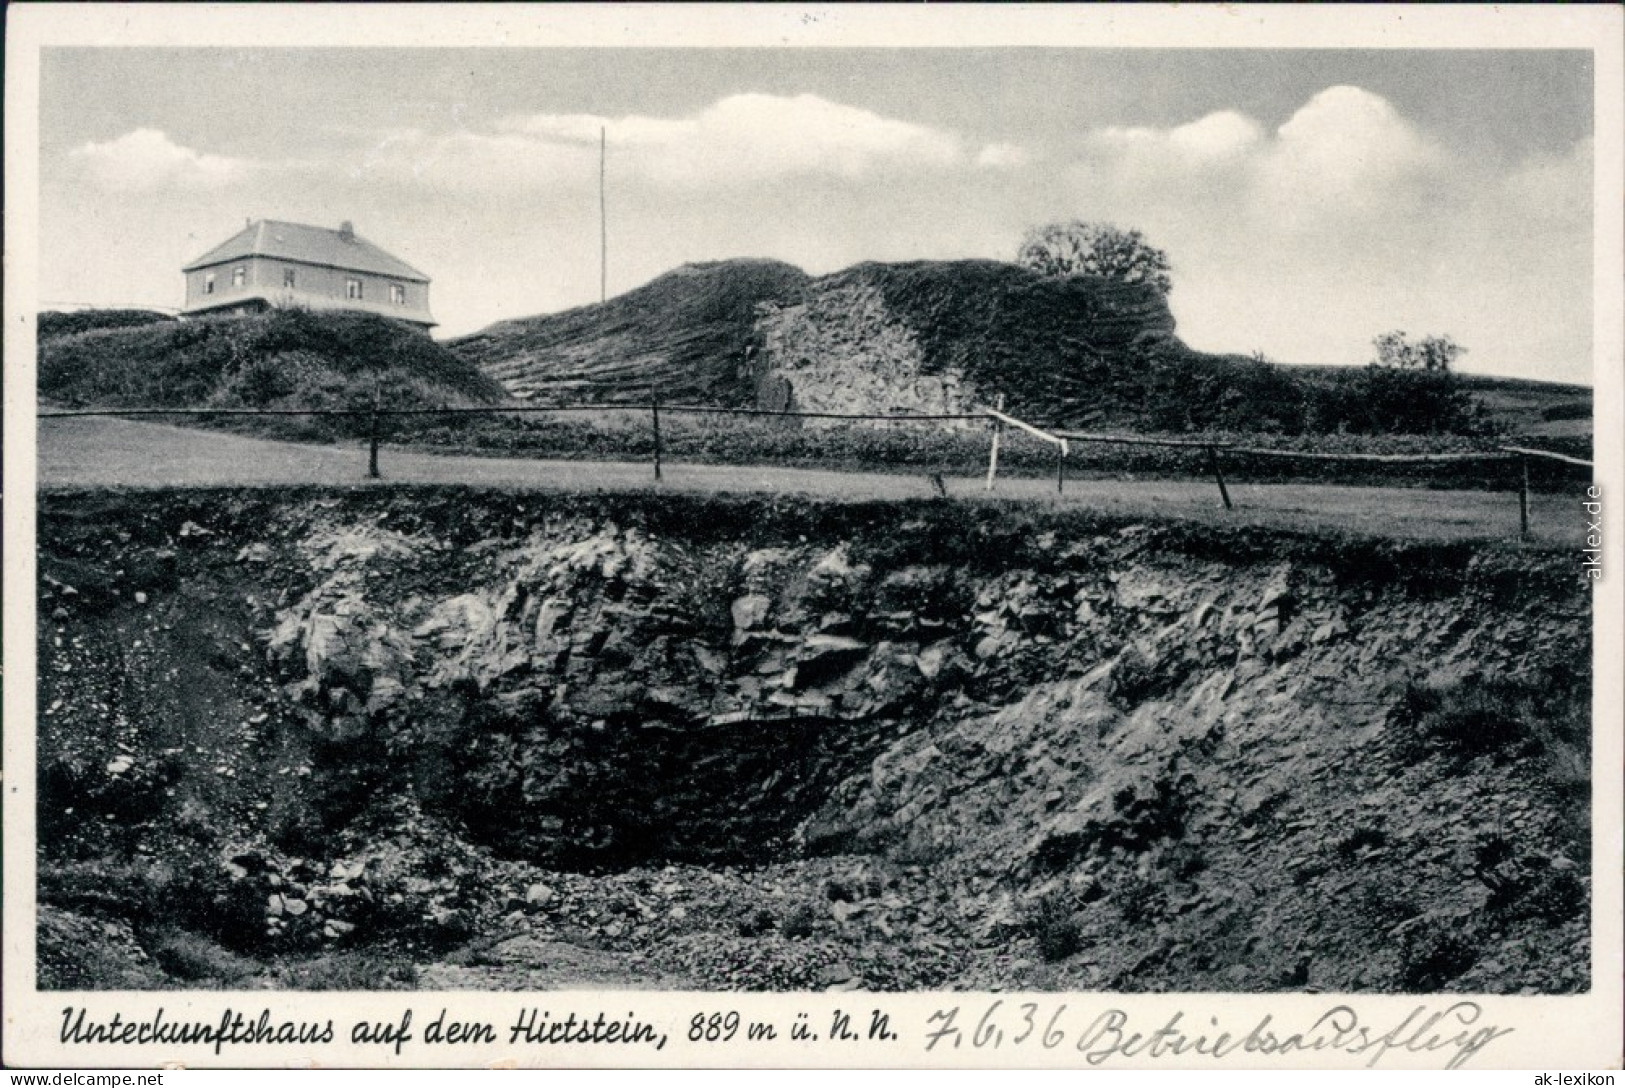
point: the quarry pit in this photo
(458, 738)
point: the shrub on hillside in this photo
(1409, 388)
(1434, 953)
(1185, 393)
(1140, 674)
(1547, 714)
(1052, 921)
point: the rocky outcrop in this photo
(841, 350)
(744, 744)
(941, 336)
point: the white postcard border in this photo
(1562, 1032)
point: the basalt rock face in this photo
(744, 743)
(939, 336)
(575, 703)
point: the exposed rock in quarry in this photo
(451, 738)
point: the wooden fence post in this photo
(372, 433)
(655, 411)
(1060, 469)
(993, 451)
(1213, 463)
(1523, 498)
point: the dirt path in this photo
(100, 453)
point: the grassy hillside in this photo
(685, 333)
(924, 336)
(941, 336)
(55, 323)
(1539, 409)
(283, 359)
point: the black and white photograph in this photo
(990, 534)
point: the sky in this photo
(1308, 200)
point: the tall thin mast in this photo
(603, 223)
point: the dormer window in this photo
(208, 283)
(239, 276)
(397, 294)
(352, 290)
(287, 277)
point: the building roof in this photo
(309, 245)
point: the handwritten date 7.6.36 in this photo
(1451, 1031)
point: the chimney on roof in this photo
(347, 231)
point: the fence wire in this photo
(997, 421)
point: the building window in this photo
(352, 289)
(397, 294)
(208, 283)
(287, 277)
(239, 275)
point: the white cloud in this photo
(146, 159)
(1344, 152)
(1216, 136)
(1346, 220)
(738, 140)
(1346, 145)
(764, 136)
(499, 163)
(1003, 157)
(583, 128)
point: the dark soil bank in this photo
(460, 739)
